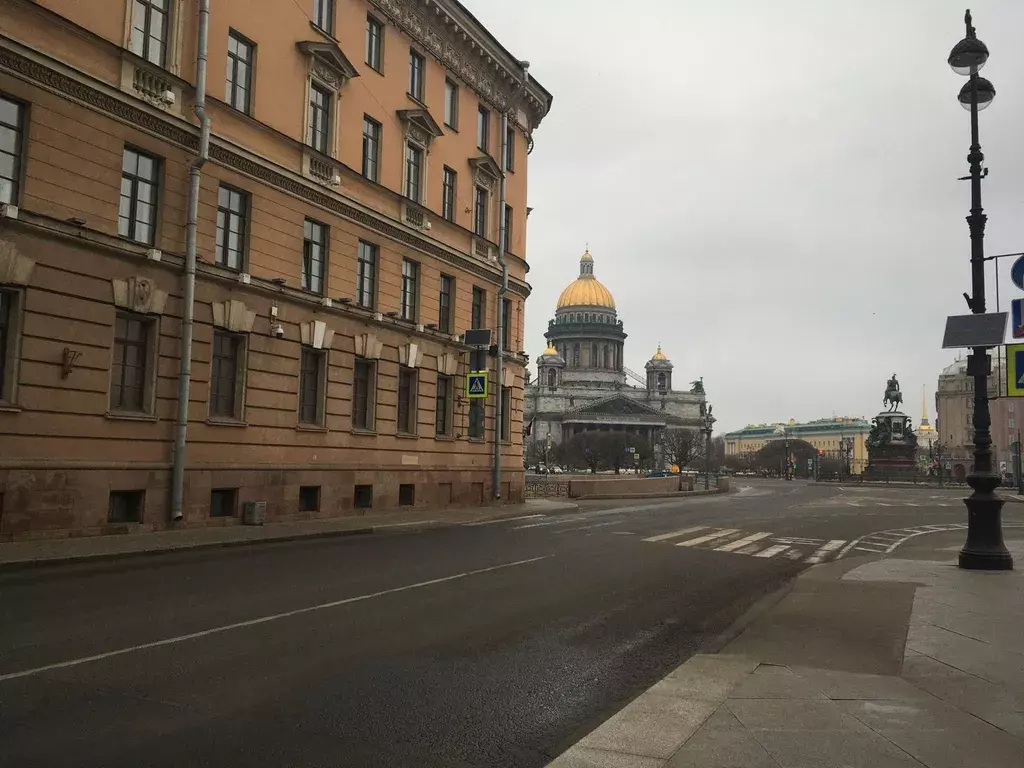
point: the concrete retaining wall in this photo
(613, 486)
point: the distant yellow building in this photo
(826, 435)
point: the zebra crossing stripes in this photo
(772, 551)
(741, 543)
(676, 534)
(825, 549)
(710, 537)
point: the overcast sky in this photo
(769, 189)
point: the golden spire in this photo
(924, 407)
(659, 355)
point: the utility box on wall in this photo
(254, 512)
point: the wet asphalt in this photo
(488, 645)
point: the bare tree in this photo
(680, 447)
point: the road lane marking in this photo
(675, 534)
(592, 525)
(262, 620)
(505, 520)
(798, 540)
(772, 551)
(824, 550)
(709, 537)
(740, 543)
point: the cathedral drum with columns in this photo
(582, 383)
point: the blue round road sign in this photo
(1017, 272)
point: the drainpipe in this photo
(192, 224)
(503, 195)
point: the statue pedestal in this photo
(892, 447)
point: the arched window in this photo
(661, 381)
(552, 377)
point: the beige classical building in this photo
(346, 233)
(827, 435)
(954, 402)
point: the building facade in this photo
(954, 403)
(583, 384)
(346, 232)
(827, 435)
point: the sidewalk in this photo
(900, 662)
(22, 554)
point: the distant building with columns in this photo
(582, 383)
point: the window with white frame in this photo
(320, 103)
(413, 171)
(151, 26)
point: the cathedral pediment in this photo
(617, 405)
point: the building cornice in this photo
(462, 44)
(186, 136)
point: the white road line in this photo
(674, 534)
(592, 525)
(740, 543)
(709, 537)
(564, 521)
(261, 620)
(505, 520)
(772, 551)
(798, 540)
(824, 550)
(863, 547)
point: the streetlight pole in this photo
(984, 548)
(709, 422)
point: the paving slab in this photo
(722, 742)
(581, 757)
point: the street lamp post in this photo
(984, 548)
(709, 423)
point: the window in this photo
(311, 387)
(323, 15)
(443, 406)
(7, 344)
(552, 377)
(129, 377)
(226, 375)
(149, 30)
(309, 498)
(407, 400)
(232, 213)
(444, 304)
(223, 502)
(406, 494)
(451, 104)
(575, 355)
(506, 413)
(366, 277)
(417, 65)
(314, 256)
(374, 42)
(449, 193)
(319, 118)
(363, 395)
(12, 116)
(125, 506)
(240, 60)
(410, 289)
(137, 207)
(479, 315)
(510, 149)
(506, 324)
(508, 228)
(371, 148)
(413, 171)
(476, 419)
(362, 496)
(483, 128)
(480, 213)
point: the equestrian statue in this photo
(893, 397)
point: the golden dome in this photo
(586, 290)
(550, 352)
(659, 355)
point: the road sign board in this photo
(949, 465)
(1017, 314)
(1015, 370)
(1017, 272)
(476, 384)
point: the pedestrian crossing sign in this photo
(1015, 370)
(476, 384)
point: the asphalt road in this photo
(477, 645)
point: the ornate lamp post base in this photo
(984, 549)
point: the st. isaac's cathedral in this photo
(582, 383)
